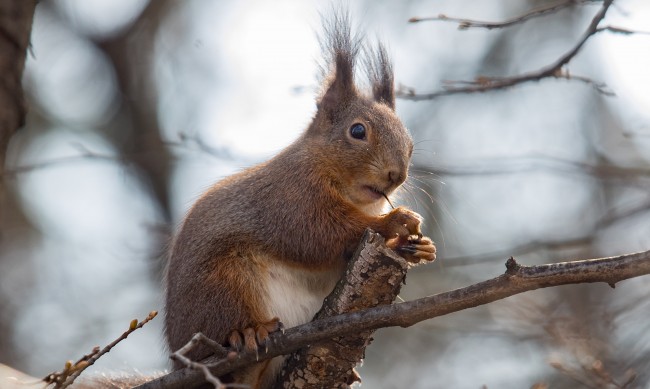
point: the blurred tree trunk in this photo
(15, 26)
(141, 142)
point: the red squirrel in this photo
(268, 244)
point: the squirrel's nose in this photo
(395, 177)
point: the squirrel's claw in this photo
(235, 340)
(417, 250)
(264, 329)
(407, 249)
(250, 343)
(252, 338)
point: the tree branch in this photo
(517, 279)
(608, 219)
(554, 70)
(503, 166)
(464, 24)
(623, 31)
(187, 142)
(71, 371)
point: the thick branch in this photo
(374, 277)
(517, 279)
(554, 70)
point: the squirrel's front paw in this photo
(416, 250)
(400, 224)
(403, 234)
(252, 338)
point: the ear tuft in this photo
(380, 73)
(340, 48)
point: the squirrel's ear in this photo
(341, 48)
(380, 72)
(339, 86)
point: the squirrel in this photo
(265, 246)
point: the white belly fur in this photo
(295, 295)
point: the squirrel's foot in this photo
(252, 338)
(417, 250)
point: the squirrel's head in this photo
(365, 148)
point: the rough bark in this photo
(374, 277)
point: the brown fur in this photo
(304, 208)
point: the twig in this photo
(504, 166)
(554, 70)
(72, 370)
(517, 279)
(193, 142)
(84, 153)
(219, 352)
(621, 30)
(555, 245)
(190, 143)
(464, 24)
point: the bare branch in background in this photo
(517, 279)
(501, 166)
(72, 370)
(464, 24)
(195, 143)
(621, 30)
(85, 154)
(611, 217)
(631, 176)
(187, 142)
(554, 70)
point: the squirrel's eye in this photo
(358, 131)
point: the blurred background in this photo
(137, 106)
